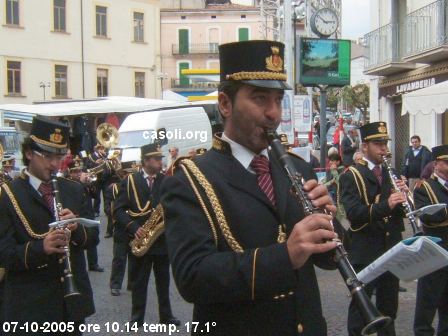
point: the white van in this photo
(184, 128)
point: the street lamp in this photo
(298, 14)
(44, 85)
(161, 77)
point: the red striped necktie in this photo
(260, 164)
(47, 194)
(378, 174)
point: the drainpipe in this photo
(82, 53)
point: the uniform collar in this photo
(34, 181)
(146, 175)
(441, 180)
(370, 164)
(241, 153)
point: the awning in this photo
(430, 99)
(18, 116)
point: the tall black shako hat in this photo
(257, 63)
(151, 150)
(49, 136)
(440, 152)
(374, 131)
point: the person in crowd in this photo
(432, 289)
(427, 171)
(121, 238)
(334, 171)
(241, 250)
(32, 253)
(357, 157)
(138, 196)
(66, 161)
(350, 144)
(376, 221)
(97, 157)
(6, 173)
(415, 160)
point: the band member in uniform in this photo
(121, 238)
(375, 221)
(7, 167)
(94, 159)
(31, 252)
(241, 250)
(139, 194)
(432, 289)
(75, 174)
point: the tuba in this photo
(107, 135)
(154, 227)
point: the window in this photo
(12, 12)
(140, 84)
(243, 34)
(13, 71)
(101, 82)
(60, 81)
(101, 21)
(138, 27)
(59, 15)
(243, 16)
(183, 41)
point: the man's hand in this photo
(55, 241)
(395, 199)
(68, 214)
(318, 194)
(311, 235)
(140, 233)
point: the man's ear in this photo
(29, 154)
(225, 105)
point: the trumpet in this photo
(375, 321)
(112, 163)
(408, 205)
(69, 281)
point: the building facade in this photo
(66, 49)
(191, 37)
(407, 50)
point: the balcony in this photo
(426, 33)
(384, 51)
(196, 48)
(185, 83)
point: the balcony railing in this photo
(383, 46)
(190, 84)
(196, 48)
(426, 28)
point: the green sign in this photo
(324, 62)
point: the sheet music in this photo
(410, 259)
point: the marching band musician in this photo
(375, 221)
(121, 238)
(139, 194)
(7, 166)
(76, 174)
(30, 251)
(240, 247)
(432, 289)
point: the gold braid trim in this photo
(143, 211)
(201, 201)
(253, 273)
(47, 143)
(22, 217)
(362, 193)
(263, 75)
(222, 221)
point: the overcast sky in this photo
(355, 18)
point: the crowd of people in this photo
(242, 248)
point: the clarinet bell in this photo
(70, 286)
(374, 320)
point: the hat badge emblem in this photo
(56, 137)
(382, 129)
(274, 62)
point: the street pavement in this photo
(114, 311)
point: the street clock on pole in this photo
(324, 22)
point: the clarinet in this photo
(69, 281)
(407, 204)
(375, 321)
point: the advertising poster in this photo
(302, 113)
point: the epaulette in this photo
(362, 162)
(177, 162)
(295, 155)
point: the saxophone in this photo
(154, 227)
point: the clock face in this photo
(325, 22)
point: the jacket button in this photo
(387, 234)
(62, 279)
(300, 328)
